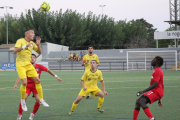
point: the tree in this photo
(78, 30)
(138, 34)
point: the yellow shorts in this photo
(88, 90)
(28, 70)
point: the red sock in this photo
(36, 107)
(20, 109)
(135, 115)
(148, 113)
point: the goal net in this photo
(141, 60)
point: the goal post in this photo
(141, 60)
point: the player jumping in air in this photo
(86, 61)
(23, 48)
(153, 93)
(89, 85)
(32, 88)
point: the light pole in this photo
(6, 19)
(102, 7)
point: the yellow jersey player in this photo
(87, 58)
(89, 85)
(23, 48)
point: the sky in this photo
(154, 12)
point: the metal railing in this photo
(115, 65)
(122, 65)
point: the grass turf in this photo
(122, 87)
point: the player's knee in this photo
(101, 95)
(37, 81)
(77, 101)
(137, 101)
(142, 104)
(79, 98)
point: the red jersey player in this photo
(154, 92)
(32, 88)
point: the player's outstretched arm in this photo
(50, 72)
(148, 89)
(38, 43)
(17, 82)
(103, 87)
(18, 49)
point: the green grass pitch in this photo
(122, 87)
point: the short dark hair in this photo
(90, 46)
(159, 60)
(34, 55)
(94, 60)
(28, 29)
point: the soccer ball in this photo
(45, 6)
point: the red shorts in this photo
(152, 96)
(31, 88)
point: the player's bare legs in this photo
(75, 104)
(36, 107)
(141, 102)
(100, 101)
(39, 90)
(78, 99)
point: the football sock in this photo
(23, 92)
(74, 106)
(148, 113)
(39, 90)
(100, 102)
(20, 109)
(36, 107)
(135, 114)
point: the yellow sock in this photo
(23, 92)
(100, 102)
(74, 106)
(89, 94)
(39, 90)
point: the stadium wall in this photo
(105, 52)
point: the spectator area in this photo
(116, 57)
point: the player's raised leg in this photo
(22, 76)
(39, 90)
(23, 93)
(32, 74)
(75, 104)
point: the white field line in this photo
(128, 79)
(11, 88)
